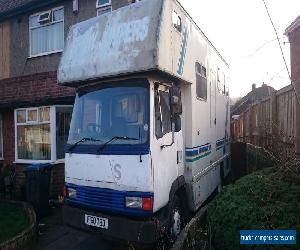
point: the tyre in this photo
(176, 219)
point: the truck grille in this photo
(107, 200)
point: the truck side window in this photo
(165, 111)
(162, 114)
(201, 81)
(176, 21)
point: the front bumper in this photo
(119, 228)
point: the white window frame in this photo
(52, 134)
(47, 24)
(102, 5)
(1, 136)
(205, 77)
(103, 8)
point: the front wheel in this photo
(176, 219)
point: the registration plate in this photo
(95, 221)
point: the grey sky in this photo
(241, 31)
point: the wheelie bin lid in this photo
(38, 166)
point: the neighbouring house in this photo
(293, 33)
(257, 94)
(35, 112)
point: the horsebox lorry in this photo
(149, 136)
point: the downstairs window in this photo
(41, 133)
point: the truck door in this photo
(167, 142)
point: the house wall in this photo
(294, 38)
(28, 82)
(31, 90)
(21, 63)
(8, 136)
(4, 49)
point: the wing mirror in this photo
(175, 101)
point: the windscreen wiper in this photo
(80, 141)
(115, 138)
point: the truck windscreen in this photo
(109, 112)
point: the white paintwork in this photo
(156, 45)
(118, 172)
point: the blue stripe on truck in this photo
(197, 153)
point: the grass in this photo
(266, 199)
(13, 220)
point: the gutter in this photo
(26, 8)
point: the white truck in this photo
(149, 136)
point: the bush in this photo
(266, 199)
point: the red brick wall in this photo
(8, 137)
(294, 38)
(32, 88)
(57, 180)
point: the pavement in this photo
(53, 235)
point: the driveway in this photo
(53, 235)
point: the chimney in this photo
(253, 86)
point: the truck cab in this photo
(124, 154)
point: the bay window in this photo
(41, 133)
(46, 32)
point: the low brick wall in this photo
(56, 182)
(25, 240)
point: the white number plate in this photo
(95, 221)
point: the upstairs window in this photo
(46, 32)
(103, 6)
(102, 3)
(1, 138)
(201, 81)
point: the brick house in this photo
(34, 111)
(293, 33)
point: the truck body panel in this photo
(147, 75)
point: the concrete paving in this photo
(53, 235)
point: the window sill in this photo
(45, 54)
(60, 161)
(31, 161)
(38, 162)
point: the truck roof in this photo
(137, 38)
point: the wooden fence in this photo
(270, 123)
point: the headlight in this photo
(134, 202)
(72, 193)
(139, 202)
